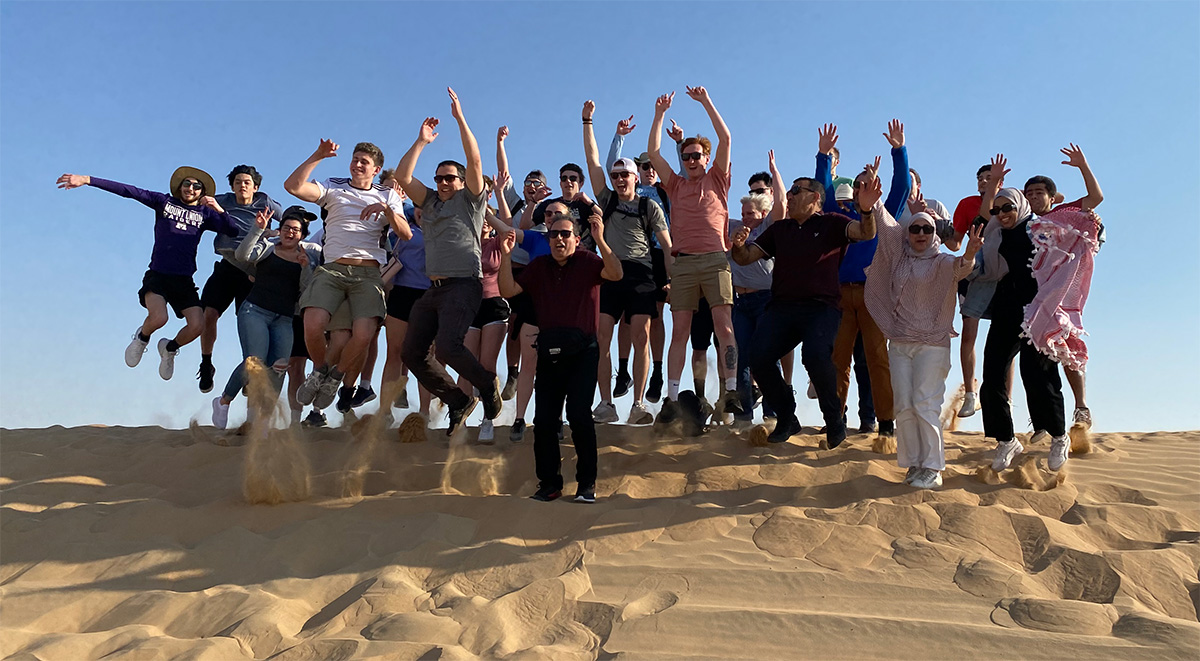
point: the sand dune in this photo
(140, 543)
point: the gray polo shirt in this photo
(757, 274)
(626, 233)
(452, 229)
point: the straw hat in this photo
(184, 172)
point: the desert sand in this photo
(140, 543)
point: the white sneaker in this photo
(969, 406)
(605, 412)
(1060, 449)
(1083, 416)
(638, 415)
(133, 352)
(911, 475)
(1005, 453)
(220, 414)
(166, 368)
(487, 432)
(927, 478)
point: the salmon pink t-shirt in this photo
(699, 212)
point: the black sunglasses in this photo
(568, 177)
(920, 229)
(646, 167)
(795, 190)
(444, 178)
(1005, 208)
(559, 234)
(194, 185)
(692, 156)
(759, 191)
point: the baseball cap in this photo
(623, 165)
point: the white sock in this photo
(673, 389)
(365, 384)
(731, 384)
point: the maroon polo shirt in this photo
(806, 258)
(567, 295)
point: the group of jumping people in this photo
(853, 277)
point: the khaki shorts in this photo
(358, 286)
(696, 276)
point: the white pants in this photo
(918, 387)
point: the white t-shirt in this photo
(348, 236)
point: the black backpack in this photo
(643, 213)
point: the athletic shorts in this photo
(491, 311)
(400, 301)
(299, 348)
(703, 335)
(360, 286)
(179, 290)
(632, 295)
(701, 276)
(227, 284)
(658, 262)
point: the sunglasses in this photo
(759, 191)
(535, 183)
(692, 156)
(920, 229)
(620, 175)
(1005, 208)
(445, 178)
(795, 190)
(194, 185)
(646, 167)
(568, 177)
(559, 234)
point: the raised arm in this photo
(624, 128)
(827, 138)
(901, 180)
(591, 152)
(721, 157)
(654, 142)
(676, 134)
(779, 209)
(413, 188)
(1076, 159)
(508, 284)
(298, 183)
(253, 248)
(965, 262)
(988, 196)
(612, 266)
(474, 181)
(868, 193)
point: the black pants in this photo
(784, 325)
(573, 379)
(1039, 374)
(444, 313)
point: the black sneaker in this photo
(669, 412)
(834, 437)
(586, 493)
(362, 396)
(492, 403)
(546, 494)
(516, 433)
(867, 427)
(784, 430)
(206, 377)
(315, 419)
(887, 427)
(345, 399)
(510, 386)
(459, 415)
(622, 385)
(731, 402)
(654, 387)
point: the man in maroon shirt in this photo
(807, 247)
(565, 289)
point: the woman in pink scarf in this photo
(910, 293)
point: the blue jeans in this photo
(266, 336)
(747, 311)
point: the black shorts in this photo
(658, 263)
(226, 284)
(179, 290)
(703, 335)
(400, 301)
(632, 295)
(963, 285)
(491, 311)
(299, 347)
(520, 307)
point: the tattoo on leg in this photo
(731, 358)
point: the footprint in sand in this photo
(654, 595)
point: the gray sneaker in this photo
(927, 478)
(166, 368)
(1005, 453)
(326, 391)
(308, 390)
(1060, 449)
(912, 473)
(133, 352)
(605, 412)
(638, 415)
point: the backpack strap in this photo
(662, 195)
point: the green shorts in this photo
(358, 286)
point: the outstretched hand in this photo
(827, 138)
(1075, 157)
(69, 181)
(327, 149)
(428, 133)
(895, 134)
(869, 192)
(501, 180)
(455, 106)
(997, 173)
(872, 169)
(508, 242)
(675, 132)
(771, 163)
(663, 103)
(597, 223)
(626, 126)
(211, 202)
(975, 242)
(263, 218)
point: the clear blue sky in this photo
(129, 91)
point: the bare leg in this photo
(604, 368)
(491, 337)
(156, 314)
(1078, 387)
(316, 320)
(640, 340)
(681, 325)
(967, 354)
(295, 378)
(529, 367)
(195, 324)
